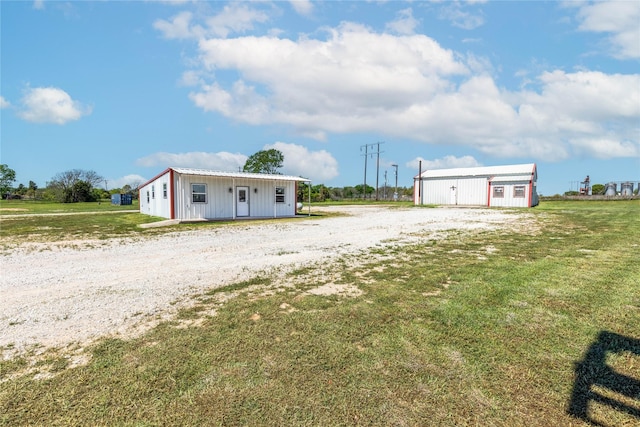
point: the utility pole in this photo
(370, 153)
(395, 194)
(384, 194)
(364, 188)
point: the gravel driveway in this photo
(59, 295)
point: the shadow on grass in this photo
(593, 372)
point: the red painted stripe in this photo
(489, 194)
(173, 195)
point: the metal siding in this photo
(437, 191)
(221, 203)
(472, 191)
(508, 201)
(157, 205)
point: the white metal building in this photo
(503, 186)
(199, 194)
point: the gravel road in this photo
(63, 294)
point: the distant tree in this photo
(21, 190)
(264, 161)
(369, 190)
(597, 189)
(33, 190)
(349, 193)
(74, 185)
(7, 178)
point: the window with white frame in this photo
(498, 191)
(199, 193)
(164, 190)
(147, 196)
(153, 191)
(518, 191)
(279, 194)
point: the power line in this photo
(366, 154)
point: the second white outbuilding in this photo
(497, 186)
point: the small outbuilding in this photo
(198, 194)
(496, 186)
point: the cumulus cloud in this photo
(404, 23)
(221, 161)
(298, 160)
(4, 103)
(619, 19)
(233, 18)
(302, 7)
(446, 162)
(132, 180)
(51, 105)
(351, 79)
(460, 17)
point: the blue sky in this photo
(127, 89)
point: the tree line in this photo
(75, 185)
(78, 185)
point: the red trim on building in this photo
(156, 177)
(530, 193)
(172, 199)
(489, 193)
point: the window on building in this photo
(279, 194)
(518, 191)
(498, 191)
(147, 196)
(153, 191)
(199, 193)
(164, 190)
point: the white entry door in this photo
(242, 201)
(454, 195)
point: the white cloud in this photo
(620, 19)
(298, 160)
(446, 162)
(132, 180)
(605, 148)
(51, 105)
(404, 23)
(355, 80)
(222, 161)
(38, 4)
(4, 103)
(234, 18)
(461, 18)
(337, 85)
(302, 7)
(179, 27)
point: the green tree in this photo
(7, 178)
(74, 185)
(32, 191)
(369, 190)
(597, 189)
(264, 161)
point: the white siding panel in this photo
(466, 191)
(152, 201)
(509, 201)
(472, 191)
(221, 202)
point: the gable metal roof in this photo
(483, 171)
(239, 175)
(509, 178)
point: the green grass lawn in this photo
(17, 207)
(509, 328)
